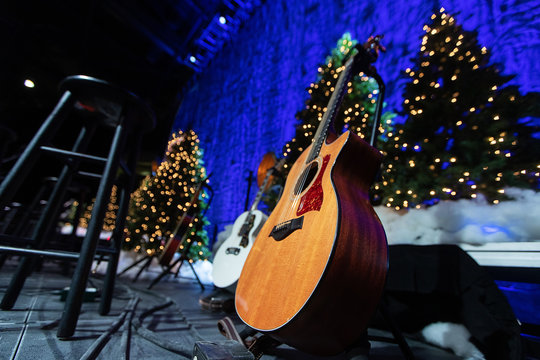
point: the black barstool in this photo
(104, 105)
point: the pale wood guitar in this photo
(315, 274)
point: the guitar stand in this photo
(148, 261)
(257, 346)
(398, 337)
(185, 252)
(167, 270)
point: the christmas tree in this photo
(464, 134)
(134, 237)
(160, 202)
(110, 214)
(355, 112)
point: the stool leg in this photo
(127, 188)
(43, 227)
(24, 164)
(23, 220)
(72, 309)
(110, 276)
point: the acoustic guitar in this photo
(315, 274)
(231, 255)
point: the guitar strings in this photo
(330, 112)
(299, 185)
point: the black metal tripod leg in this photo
(398, 336)
(132, 266)
(145, 266)
(195, 273)
(360, 349)
(165, 272)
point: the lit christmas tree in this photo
(110, 214)
(464, 134)
(134, 237)
(160, 202)
(355, 112)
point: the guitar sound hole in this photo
(308, 174)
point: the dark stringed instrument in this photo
(316, 271)
(177, 235)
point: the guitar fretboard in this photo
(329, 115)
(259, 195)
(267, 178)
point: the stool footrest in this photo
(49, 253)
(72, 154)
(46, 253)
(89, 175)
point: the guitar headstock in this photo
(274, 171)
(279, 165)
(373, 45)
(367, 54)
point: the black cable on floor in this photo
(125, 342)
(151, 336)
(96, 347)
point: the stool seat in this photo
(109, 100)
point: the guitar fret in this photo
(259, 195)
(329, 116)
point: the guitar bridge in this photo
(284, 229)
(232, 250)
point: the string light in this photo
(166, 172)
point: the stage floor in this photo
(28, 331)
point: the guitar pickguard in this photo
(313, 198)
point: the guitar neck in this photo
(330, 114)
(259, 195)
(256, 201)
(267, 178)
(186, 214)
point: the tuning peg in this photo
(374, 44)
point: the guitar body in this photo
(317, 286)
(170, 249)
(231, 255)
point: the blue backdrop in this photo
(243, 104)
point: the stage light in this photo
(222, 20)
(29, 83)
